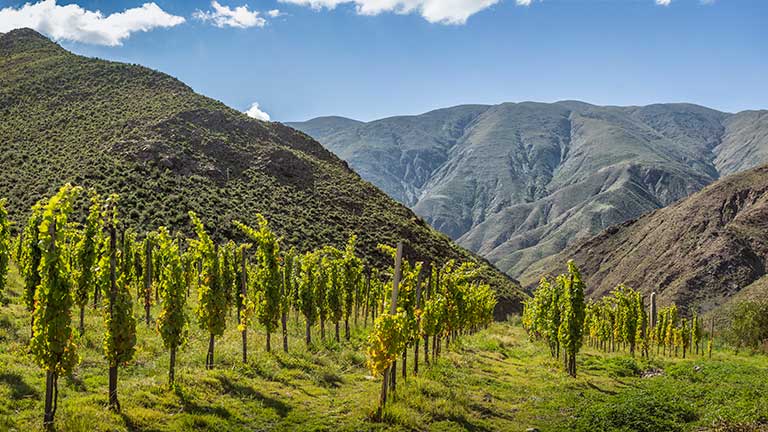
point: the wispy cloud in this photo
(224, 16)
(73, 23)
(663, 2)
(434, 11)
(255, 112)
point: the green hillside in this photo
(166, 150)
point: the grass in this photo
(492, 381)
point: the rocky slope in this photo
(166, 150)
(697, 253)
(520, 182)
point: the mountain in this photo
(519, 182)
(698, 252)
(166, 150)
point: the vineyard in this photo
(105, 328)
(66, 266)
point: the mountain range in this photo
(166, 150)
(520, 182)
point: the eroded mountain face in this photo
(520, 182)
(696, 253)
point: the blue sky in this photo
(308, 62)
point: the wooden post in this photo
(50, 376)
(653, 309)
(393, 304)
(391, 372)
(148, 279)
(396, 277)
(367, 298)
(243, 293)
(113, 402)
(418, 322)
(711, 337)
(426, 297)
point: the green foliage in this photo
(573, 313)
(352, 277)
(289, 269)
(5, 245)
(212, 298)
(267, 278)
(334, 292)
(54, 344)
(120, 324)
(748, 325)
(307, 294)
(197, 154)
(172, 322)
(87, 251)
(32, 254)
(386, 342)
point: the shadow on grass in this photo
(461, 420)
(282, 409)
(192, 407)
(19, 388)
(133, 427)
(490, 412)
(604, 391)
(286, 362)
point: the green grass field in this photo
(495, 380)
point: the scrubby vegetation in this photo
(166, 150)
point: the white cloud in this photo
(224, 16)
(255, 112)
(73, 23)
(274, 13)
(434, 11)
(663, 2)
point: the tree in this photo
(287, 293)
(172, 321)
(671, 323)
(54, 344)
(352, 279)
(333, 299)
(321, 294)
(685, 336)
(697, 331)
(150, 273)
(307, 284)
(245, 307)
(87, 255)
(211, 295)
(748, 324)
(572, 323)
(541, 314)
(5, 246)
(229, 274)
(31, 256)
(120, 334)
(642, 324)
(268, 278)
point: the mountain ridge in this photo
(517, 182)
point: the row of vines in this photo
(66, 266)
(559, 315)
